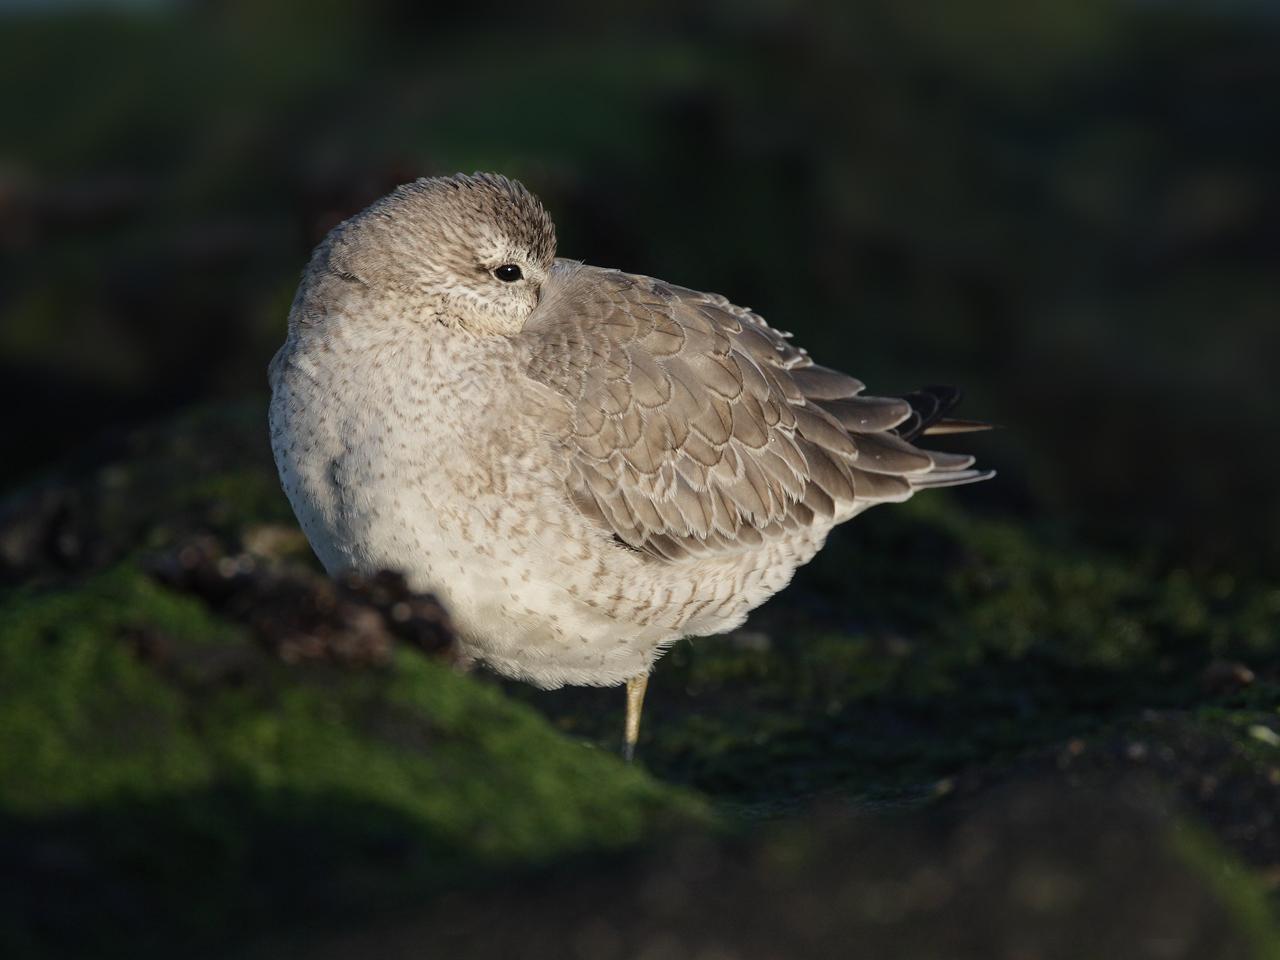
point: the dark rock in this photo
(1226, 676)
(301, 615)
(1030, 871)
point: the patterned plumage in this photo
(584, 465)
(699, 429)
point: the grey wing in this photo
(694, 427)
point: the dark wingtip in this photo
(929, 409)
(928, 406)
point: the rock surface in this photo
(953, 737)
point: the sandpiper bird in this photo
(584, 465)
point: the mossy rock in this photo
(208, 789)
(1030, 870)
(166, 779)
(206, 470)
(924, 641)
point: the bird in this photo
(584, 465)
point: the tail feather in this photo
(889, 467)
(949, 478)
(953, 425)
(929, 409)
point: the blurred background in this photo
(1070, 209)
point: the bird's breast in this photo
(379, 438)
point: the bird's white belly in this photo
(504, 573)
(463, 509)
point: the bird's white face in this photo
(469, 252)
(486, 283)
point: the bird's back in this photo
(696, 429)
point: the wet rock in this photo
(1226, 676)
(302, 615)
(1030, 871)
(208, 470)
(1211, 764)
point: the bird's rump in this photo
(695, 428)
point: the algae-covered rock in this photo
(205, 742)
(206, 470)
(924, 642)
(162, 773)
(1026, 872)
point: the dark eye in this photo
(508, 273)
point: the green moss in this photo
(237, 494)
(1253, 734)
(925, 641)
(925, 646)
(1237, 888)
(214, 460)
(81, 718)
(146, 735)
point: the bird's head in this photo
(467, 251)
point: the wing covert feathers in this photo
(694, 427)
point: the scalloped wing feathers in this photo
(694, 427)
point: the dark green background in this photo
(1071, 209)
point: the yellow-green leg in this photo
(635, 701)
